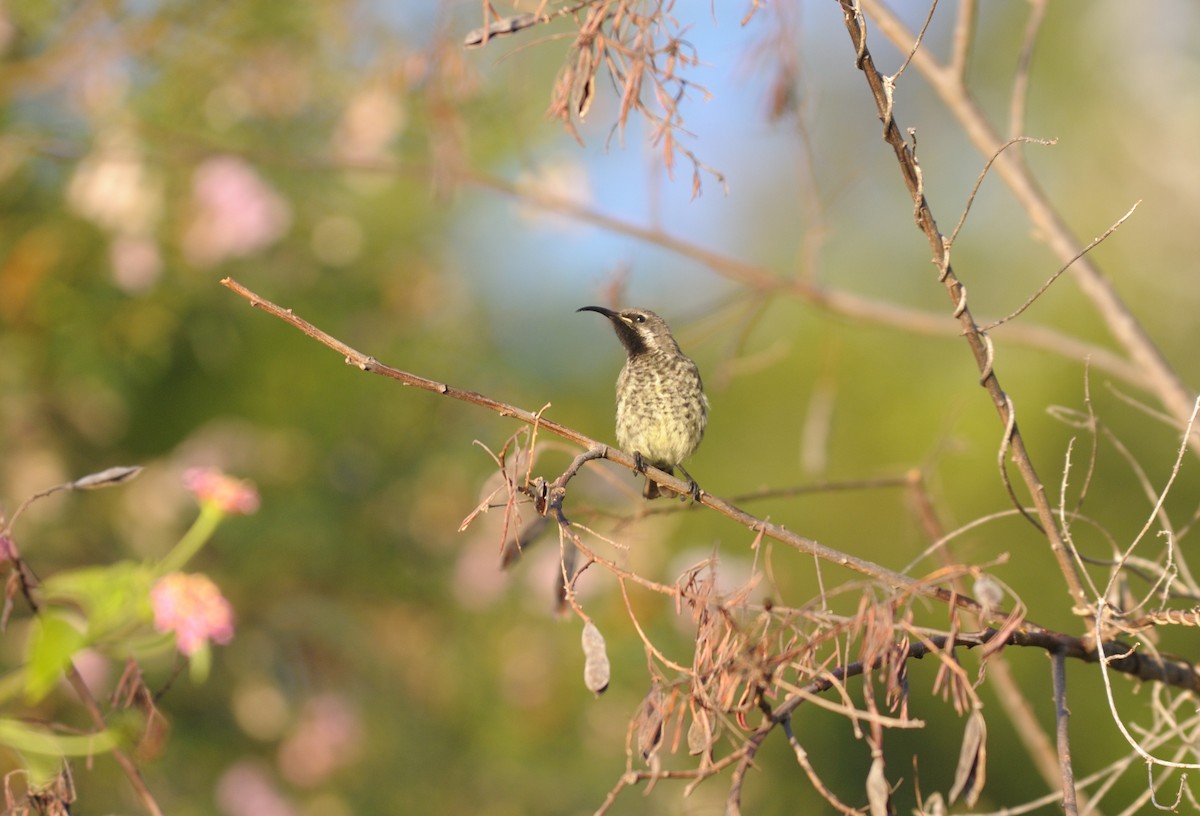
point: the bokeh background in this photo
(351, 161)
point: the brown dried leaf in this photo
(972, 761)
(483, 506)
(586, 94)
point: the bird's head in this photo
(640, 331)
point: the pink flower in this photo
(193, 608)
(236, 213)
(231, 495)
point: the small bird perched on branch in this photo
(661, 406)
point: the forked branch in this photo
(979, 344)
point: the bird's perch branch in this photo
(365, 362)
(1163, 669)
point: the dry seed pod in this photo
(989, 593)
(972, 761)
(596, 669)
(649, 723)
(879, 792)
(700, 733)
(106, 478)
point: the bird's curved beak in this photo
(609, 313)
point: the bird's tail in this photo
(651, 489)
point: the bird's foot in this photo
(694, 490)
(639, 463)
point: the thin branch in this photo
(983, 174)
(916, 44)
(816, 488)
(1062, 734)
(964, 38)
(1020, 90)
(127, 765)
(810, 772)
(1162, 496)
(1042, 289)
(975, 338)
(1008, 691)
(1020, 714)
(839, 301)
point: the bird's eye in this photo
(640, 318)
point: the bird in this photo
(661, 406)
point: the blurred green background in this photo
(341, 158)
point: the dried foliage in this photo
(640, 48)
(53, 798)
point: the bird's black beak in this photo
(609, 313)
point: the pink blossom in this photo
(193, 608)
(231, 495)
(236, 213)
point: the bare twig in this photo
(1042, 289)
(983, 174)
(954, 288)
(479, 37)
(1020, 89)
(964, 37)
(806, 766)
(1061, 715)
(916, 44)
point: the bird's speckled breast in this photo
(661, 408)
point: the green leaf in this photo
(31, 739)
(54, 640)
(111, 597)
